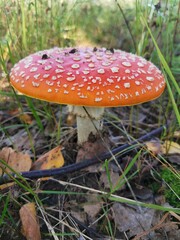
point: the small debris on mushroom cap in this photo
(88, 77)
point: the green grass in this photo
(138, 27)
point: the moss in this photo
(172, 192)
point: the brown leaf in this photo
(51, 159)
(26, 118)
(17, 160)
(132, 220)
(92, 207)
(114, 178)
(153, 146)
(30, 226)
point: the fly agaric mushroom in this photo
(88, 80)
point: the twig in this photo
(127, 24)
(122, 150)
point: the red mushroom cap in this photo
(88, 77)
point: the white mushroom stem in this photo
(88, 121)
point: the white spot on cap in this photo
(83, 96)
(47, 67)
(98, 99)
(126, 64)
(54, 78)
(33, 69)
(21, 73)
(127, 85)
(127, 71)
(42, 61)
(137, 93)
(69, 73)
(110, 91)
(137, 83)
(110, 80)
(16, 68)
(70, 78)
(150, 79)
(91, 65)
(59, 61)
(76, 58)
(59, 66)
(149, 87)
(35, 84)
(49, 90)
(49, 83)
(157, 89)
(85, 72)
(59, 70)
(143, 91)
(115, 69)
(101, 71)
(27, 65)
(36, 76)
(87, 56)
(45, 75)
(75, 66)
(140, 64)
(106, 63)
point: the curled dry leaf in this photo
(19, 161)
(51, 159)
(30, 226)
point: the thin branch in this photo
(121, 151)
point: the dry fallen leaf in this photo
(132, 220)
(114, 177)
(170, 147)
(153, 146)
(26, 118)
(19, 161)
(30, 226)
(51, 159)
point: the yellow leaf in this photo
(19, 161)
(170, 147)
(51, 159)
(30, 226)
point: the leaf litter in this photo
(87, 209)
